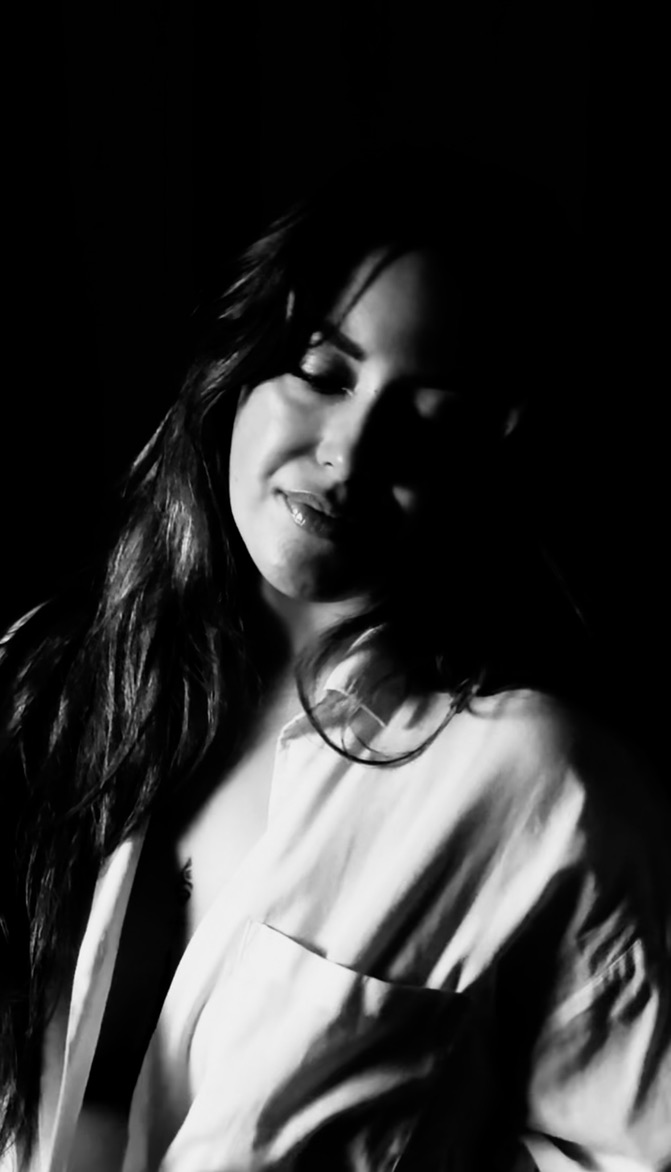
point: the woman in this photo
(306, 862)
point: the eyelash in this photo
(329, 384)
(324, 384)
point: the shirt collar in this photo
(351, 677)
(379, 689)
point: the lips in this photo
(314, 514)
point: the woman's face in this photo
(332, 463)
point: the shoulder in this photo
(551, 743)
(572, 775)
(538, 768)
(517, 746)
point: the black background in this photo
(145, 140)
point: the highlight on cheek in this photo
(433, 402)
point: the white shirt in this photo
(360, 994)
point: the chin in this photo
(309, 587)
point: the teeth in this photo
(296, 513)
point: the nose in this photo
(344, 433)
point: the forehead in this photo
(404, 307)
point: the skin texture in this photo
(355, 433)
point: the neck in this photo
(299, 622)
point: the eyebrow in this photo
(331, 333)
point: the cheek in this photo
(256, 440)
(244, 443)
(238, 479)
(270, 428)
(408, 499)
(422, 496)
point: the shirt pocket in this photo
(334, 1067)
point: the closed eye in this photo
(324, 368)
(324, 384)
(325, 377)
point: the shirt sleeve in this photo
(600, 1089)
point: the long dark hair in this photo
(118, 693)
